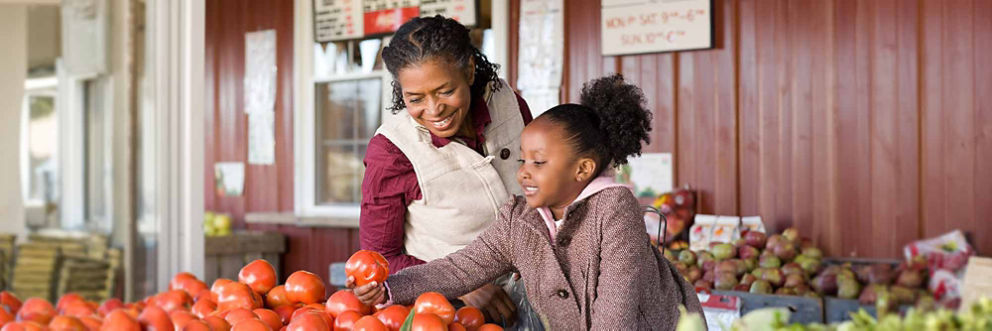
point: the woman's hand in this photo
(371, 294)
(493, 302)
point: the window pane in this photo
(95, 157)
(336, 110)
(370, 107)
(347, 115)
(42, 141)
(341, 173)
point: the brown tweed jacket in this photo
(601, 273)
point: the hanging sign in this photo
(337, 20)
(386, 16)
(462, 11)
(651, 26)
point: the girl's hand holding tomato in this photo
(367, 266)
(371, 294)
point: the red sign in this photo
(389, 20)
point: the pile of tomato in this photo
(255, 302)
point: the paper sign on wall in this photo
(540, 53)
(650, 26)
(260, 71)
(651, 174)
(229, 178)
(260, 95)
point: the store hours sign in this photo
(652, 26)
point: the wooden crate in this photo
(226, 255)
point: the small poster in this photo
(651, 26)
(540, 56)
(539, 100)
(260, 71)
(261, 138)
(651, 174)
(229, 178)
(384, 16)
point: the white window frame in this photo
(35, 87)
(72, 105)
(304, 111)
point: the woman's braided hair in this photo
(436, 38)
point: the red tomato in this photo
(276, 297)
(304, 287)
(188, 283)
(218, 287)
(78, 309)
(204, 294)
(37, 310)
(435, 303)
(456, 327)
(259, 275)
(346, 320)
(285, 313)
(172, 300)
(119, 320)
(196, 325)
(251, 325)
(367, 266)
(6, 317)
(154, 318)
(91, 322)
(345, 300)
(23, 326)
(393, 316)
(236, 295)
(427, 322)
(308, 321)
(204, 307)
(369, 323)
(174, 284)
(271, 318)
(490, 327)
(10, 301)
(470, 317)
(315, 306)
(217, 323)
(181, 317)
(109, 305)
(328, 319)
(239, 314)
(66, 323)
(67, 299)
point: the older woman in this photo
(437, 173)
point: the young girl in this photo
(576, 237)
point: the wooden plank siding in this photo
(865, 123)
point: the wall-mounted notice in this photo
(539, 58)
(260, 71)
(650, 26)
(337, 20)
(462, 11)
(385, 16)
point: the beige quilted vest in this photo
(461, 190)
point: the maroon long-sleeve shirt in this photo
(390, 185)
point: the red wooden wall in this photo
(268, 188)
(866, 124)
